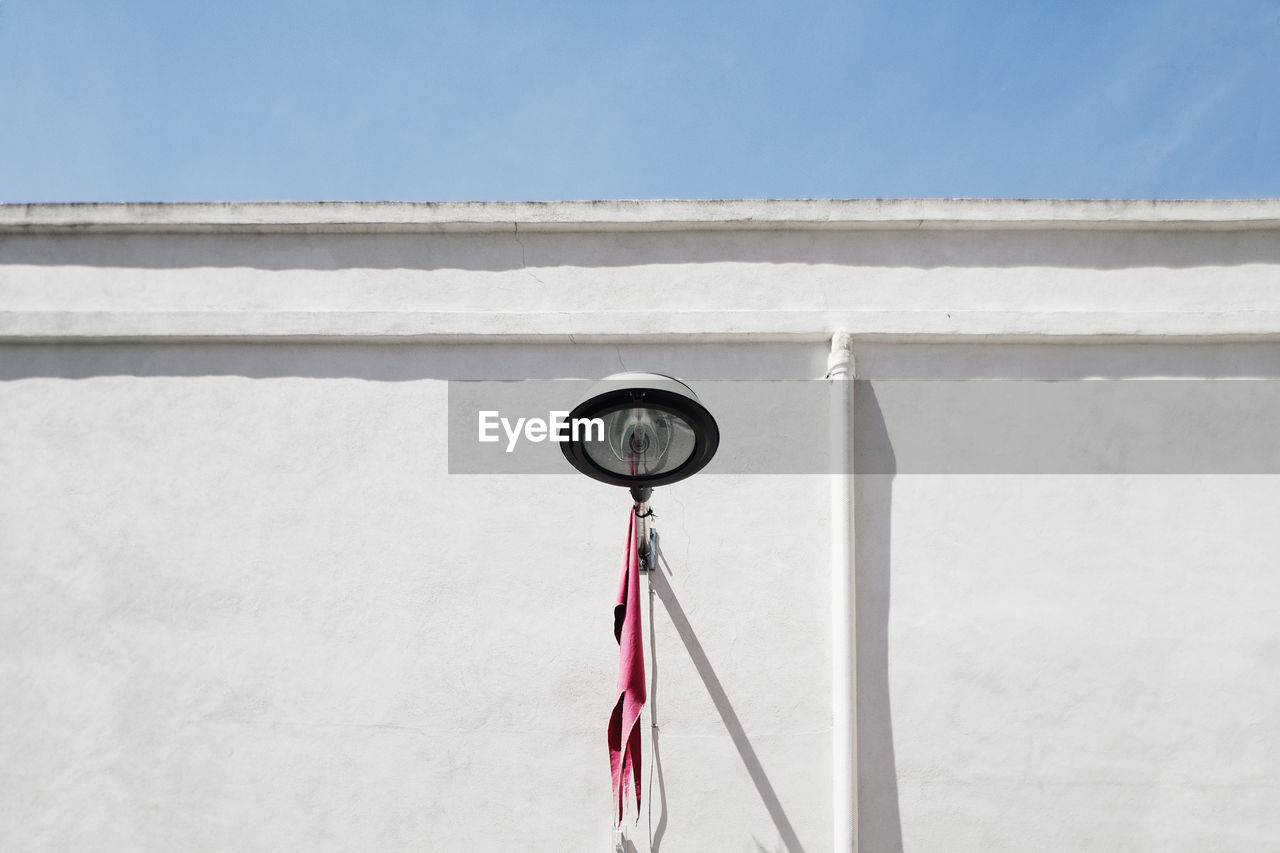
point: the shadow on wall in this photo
(409, 362)
(655, 776)
(879, 822)
(496, 252)
(724, 707)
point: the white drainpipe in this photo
(844, 745)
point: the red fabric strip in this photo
(624, 722)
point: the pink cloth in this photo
(624, 723)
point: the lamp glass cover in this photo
(642, 441)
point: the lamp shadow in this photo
(875, 464)
(655, 835)
(724, 707)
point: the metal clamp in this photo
(645, 534)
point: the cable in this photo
(653, 722)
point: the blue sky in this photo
(157, 100)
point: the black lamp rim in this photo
(705, 430)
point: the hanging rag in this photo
(624, 722)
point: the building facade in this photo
(249, 603)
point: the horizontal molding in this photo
(687, 327)
(644, 215)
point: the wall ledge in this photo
(643, 215)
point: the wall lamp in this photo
(656, 432)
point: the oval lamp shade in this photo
(656, 431)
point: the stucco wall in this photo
(246, 607)
(1072, 661)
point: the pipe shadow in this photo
(879, 820)
(724, 707)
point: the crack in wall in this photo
(524, 263)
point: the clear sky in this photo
(203, 100)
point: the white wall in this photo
(1082, 662)
(244, 606)
(247, 608)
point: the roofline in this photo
(644, 215)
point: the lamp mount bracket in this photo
(645, 534)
